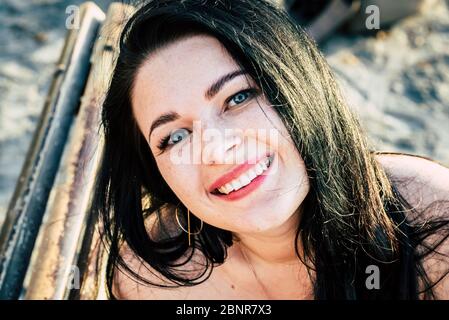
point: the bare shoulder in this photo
(425, 185)
(125, 286)
(421, 181)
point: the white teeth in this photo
(226, 188)
(236, 184)
(259, 169)
(229, 187)
(246, 177)
(245, 180)
(251, 174)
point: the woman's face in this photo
(218, 143)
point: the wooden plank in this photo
(27, 206)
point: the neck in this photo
(272, 247)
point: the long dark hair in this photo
(353, 216)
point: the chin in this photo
(257, 222)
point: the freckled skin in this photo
(264, 223)
(178, 79)
(175, 79)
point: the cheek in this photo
(294, 171)
(182, 179)
(293, 159)
(298, 173)
(281, 140)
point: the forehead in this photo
(180, 71)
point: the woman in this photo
(234, 170)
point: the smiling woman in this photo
(234, 170)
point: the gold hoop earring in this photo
(188, 224)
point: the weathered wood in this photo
(27, 206)
(63, 249)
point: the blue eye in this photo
(241, 97)
(173, 138)
(177, 135)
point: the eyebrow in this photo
(163, 119)
(209, 94)
(217, 85)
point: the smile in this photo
(238, 184)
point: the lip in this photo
(236, 172)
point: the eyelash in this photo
(253, 92)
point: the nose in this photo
(219, 147)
